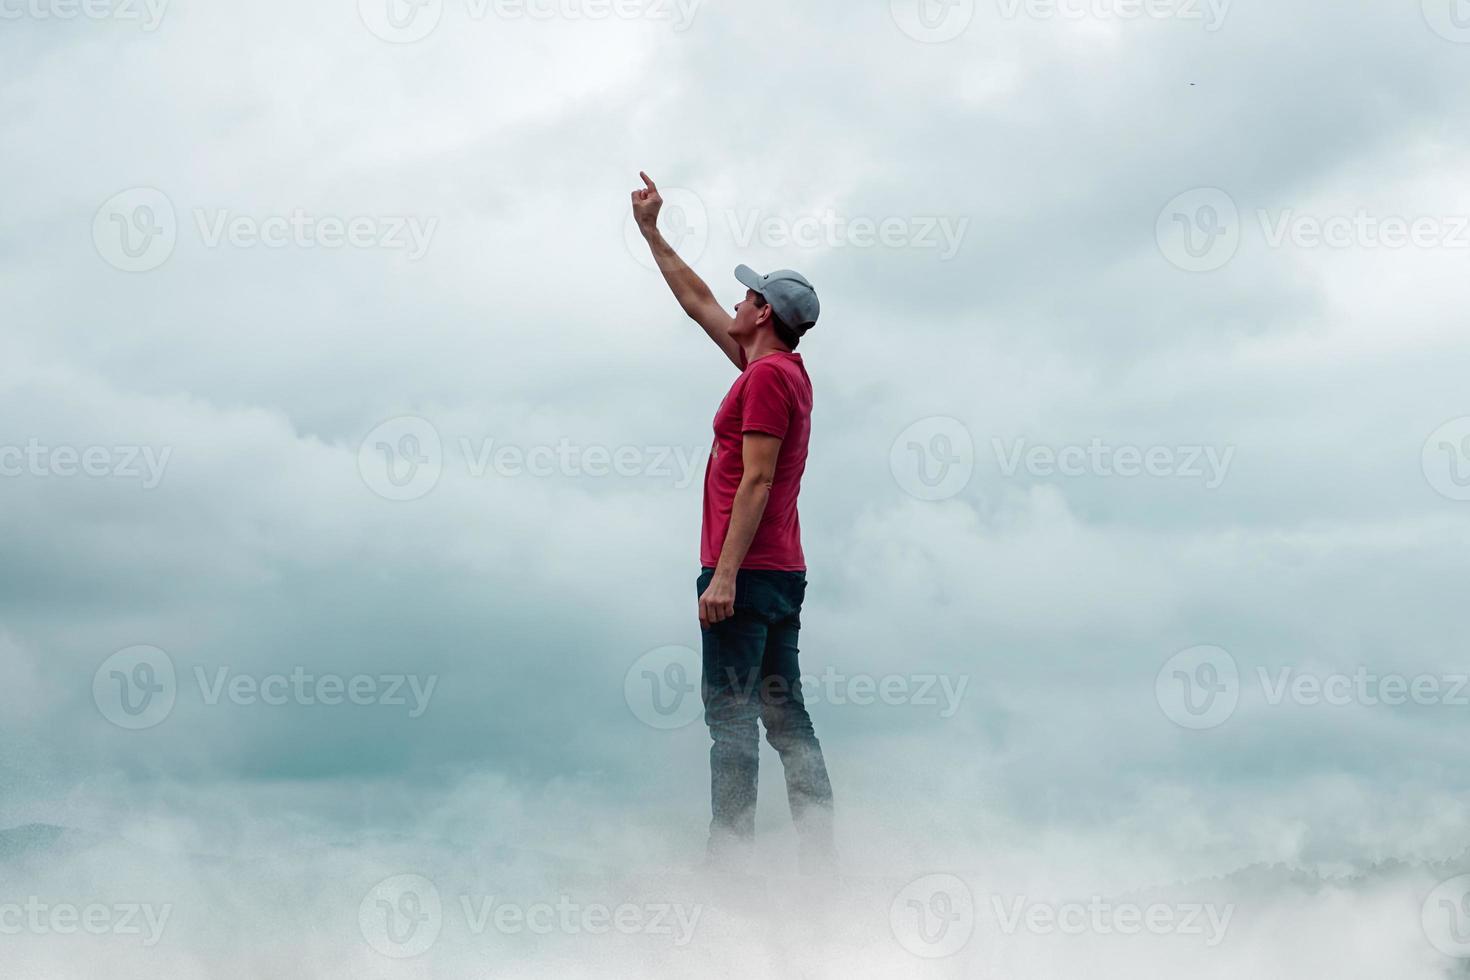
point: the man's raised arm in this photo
(690, 290)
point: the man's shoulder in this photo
(775, 369)
(784, 365)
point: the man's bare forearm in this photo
(691, 291)
(693, 294)
(745, 518)
(759, 453)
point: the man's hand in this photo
(646, 205)
(718, 601)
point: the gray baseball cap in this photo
(790, 295)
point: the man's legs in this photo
(733, 650)
(789, 730)
(751, 671)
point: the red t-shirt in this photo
(773, 396)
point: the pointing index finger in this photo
(648, 180)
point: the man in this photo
(753, 575)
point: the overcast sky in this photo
(1137, 508)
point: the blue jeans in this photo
(751, 673)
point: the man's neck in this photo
(761, 347)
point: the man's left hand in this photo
(717, 603)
